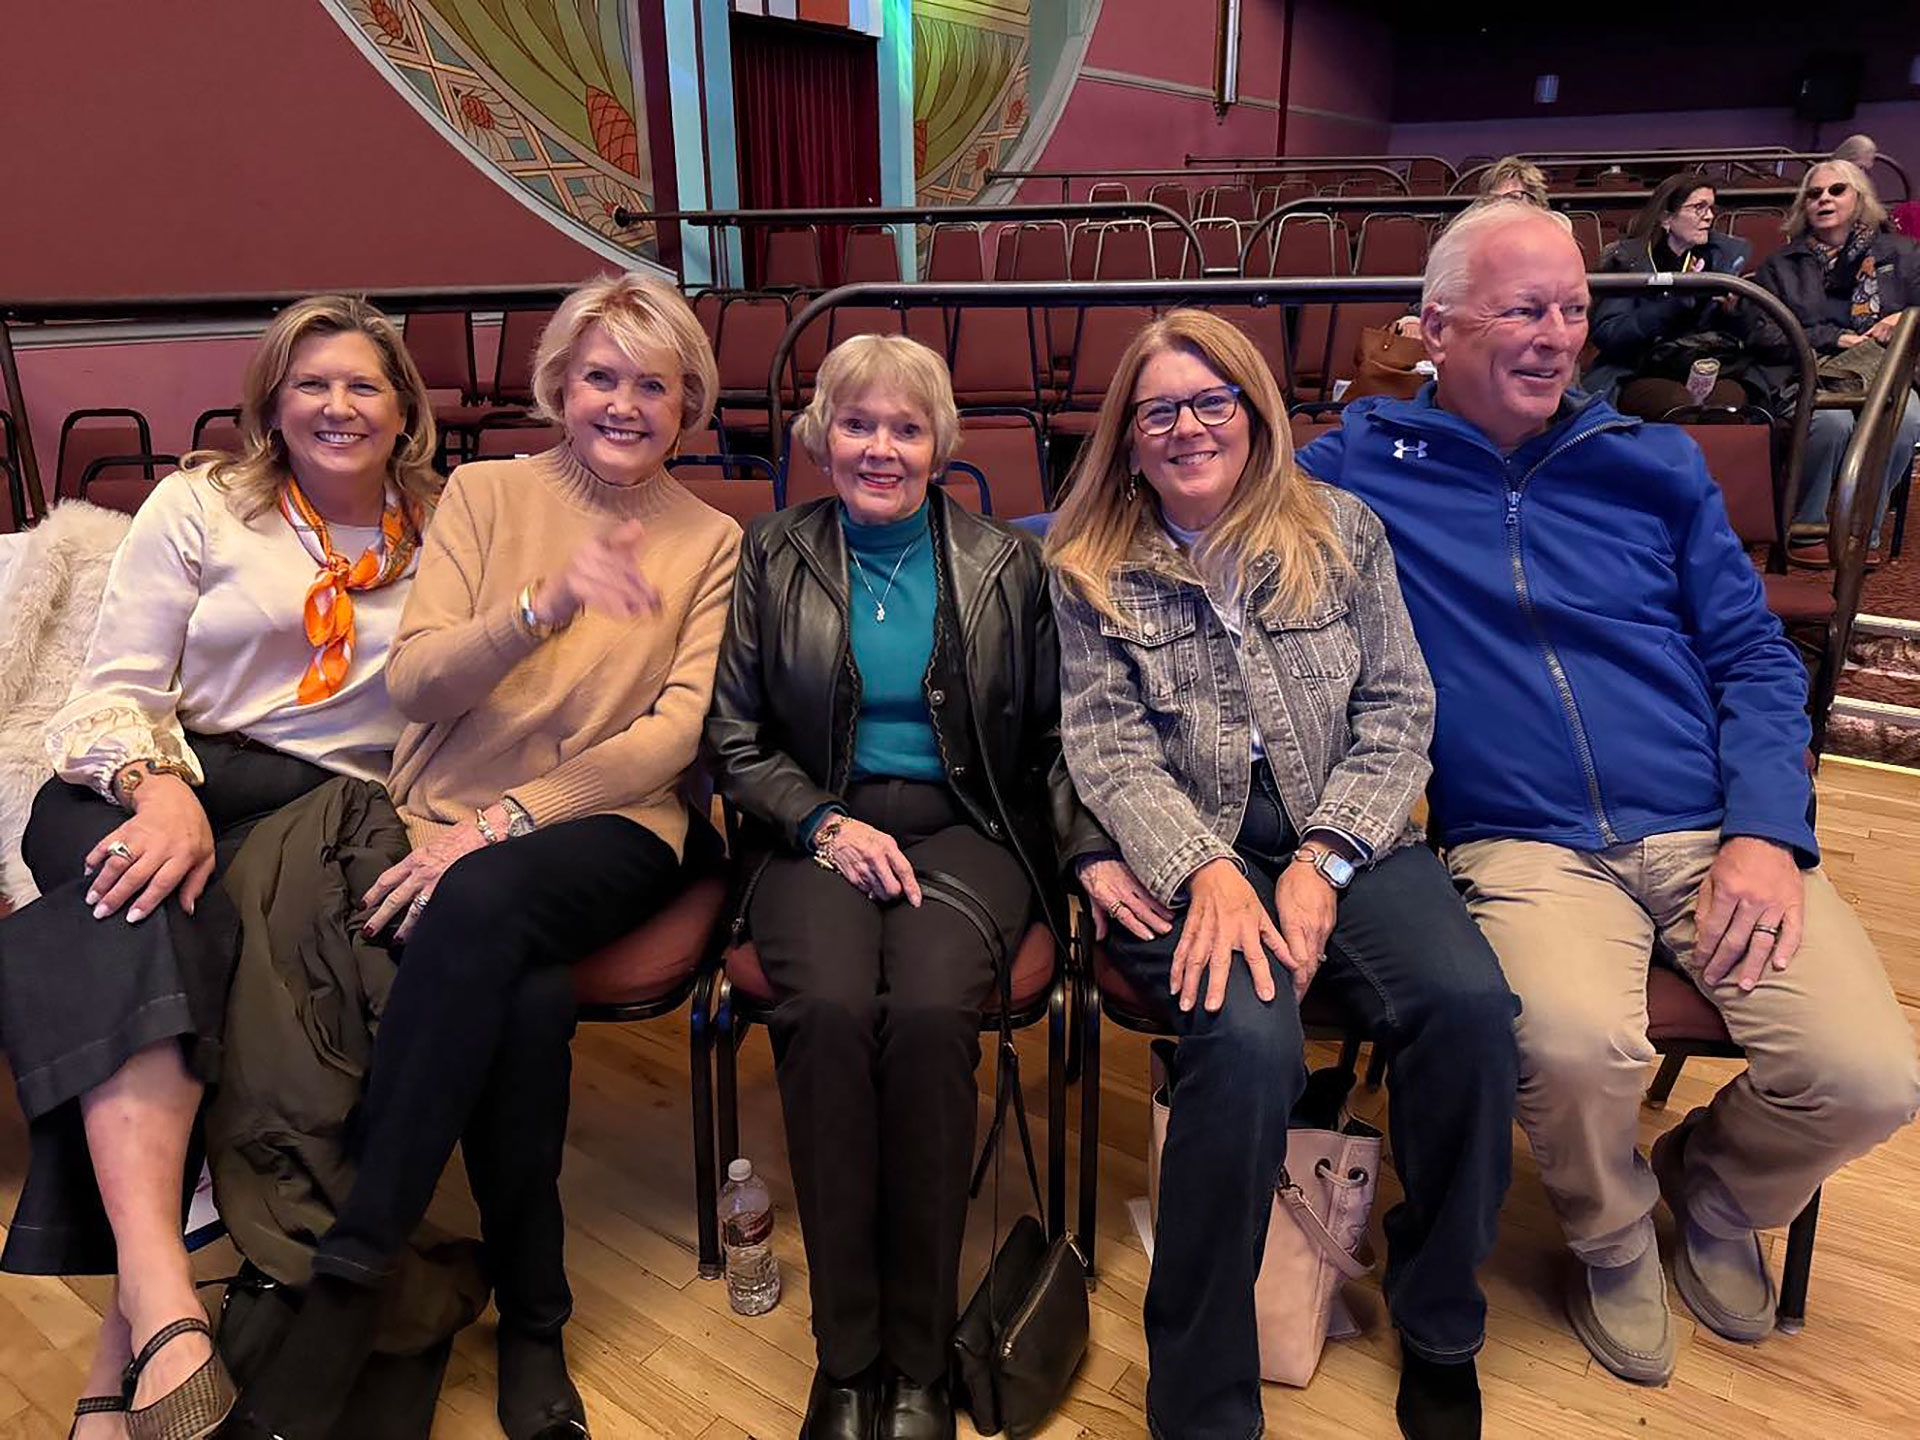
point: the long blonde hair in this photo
(252, 477)
(1274, 508)
(1869, 212)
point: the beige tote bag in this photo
(1316, 1239)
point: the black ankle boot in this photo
(912, 1411)
(537, 1398)
(841, 1409)
(1436, 1401)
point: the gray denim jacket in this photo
(1156, 707)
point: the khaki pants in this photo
(1831, 1064)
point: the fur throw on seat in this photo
(49, 601)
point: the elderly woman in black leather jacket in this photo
(1648, 341)
(887, 703)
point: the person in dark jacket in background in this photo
(1618, 763)
(1649, 340)
(887, 703)
(1847, 279)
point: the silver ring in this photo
(119, 850)
(1766, 930)
(418, 903)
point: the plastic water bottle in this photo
(1701, 379)
(746, 1230)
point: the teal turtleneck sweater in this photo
(894, 738)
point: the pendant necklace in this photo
(880, 600)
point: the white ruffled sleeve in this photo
(123, 706)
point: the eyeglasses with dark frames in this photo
(1211, 407)
(1702, 208)
(1835, 190)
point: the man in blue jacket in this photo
(1618, 765)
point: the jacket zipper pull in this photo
(1513, 507)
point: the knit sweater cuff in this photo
(567, 794)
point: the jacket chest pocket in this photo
(1318, 645)
(1161, 643)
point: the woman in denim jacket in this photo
(1245, 710)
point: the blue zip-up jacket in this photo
(1605, 664)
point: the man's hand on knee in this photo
(1749, 911)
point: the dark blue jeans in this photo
(1406, 961)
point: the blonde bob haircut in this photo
(1274, 510)
(640, 315)
(1510, 171)
(252, 478)
(1871, 213)
(884, 362)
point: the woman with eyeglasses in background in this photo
(1847, 279)
(1650, 341)
(1245, 710)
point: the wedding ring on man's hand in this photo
(1773, 930)
(118, 849)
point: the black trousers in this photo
(474, 1044)
(876, 1033)
(80, 997)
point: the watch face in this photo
(1337, 869)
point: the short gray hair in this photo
(1860, 149)
(1450, 261)
(1509, 171)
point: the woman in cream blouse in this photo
(237, 663)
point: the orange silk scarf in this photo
(328, 612)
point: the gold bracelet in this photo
(132, 775)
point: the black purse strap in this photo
(1009, 1095)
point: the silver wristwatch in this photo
(519, 822)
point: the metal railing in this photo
(1183, 173)
(887, 216)
(1442, 204)
(1298, 162)
(1470, 178)
(1855, 504)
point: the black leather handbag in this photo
(1025, 1330)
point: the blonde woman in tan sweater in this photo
(555, 661)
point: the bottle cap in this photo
(739, 1170)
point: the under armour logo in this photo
(1409, 449)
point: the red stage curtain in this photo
(807, 111)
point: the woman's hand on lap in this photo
(1306, 906)
(169, 847)
(1224, 915)
(415, 877)
(870, 861)
(1113, 889)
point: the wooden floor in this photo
(657, 1352)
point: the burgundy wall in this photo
(232, 145)
(1340, 79)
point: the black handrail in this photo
(1180, 172)
(1681, 157)
(1281, 290)
(1091, 211)
(1855, 503)
(1296, 162)
(1440, 204)
(261, 304)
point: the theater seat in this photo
(1799, 598)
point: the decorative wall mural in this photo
(970, 100)
(541, 91)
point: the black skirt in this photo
(79, 997)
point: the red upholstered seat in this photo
(1032, 971)
(1678, 1011)
(1797, 598)
(660, 956)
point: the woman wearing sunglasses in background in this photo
(1847, 279)
(1245, 710)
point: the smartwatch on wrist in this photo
(1336, 870)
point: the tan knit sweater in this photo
(602, 718)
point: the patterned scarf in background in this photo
(1851, 260)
